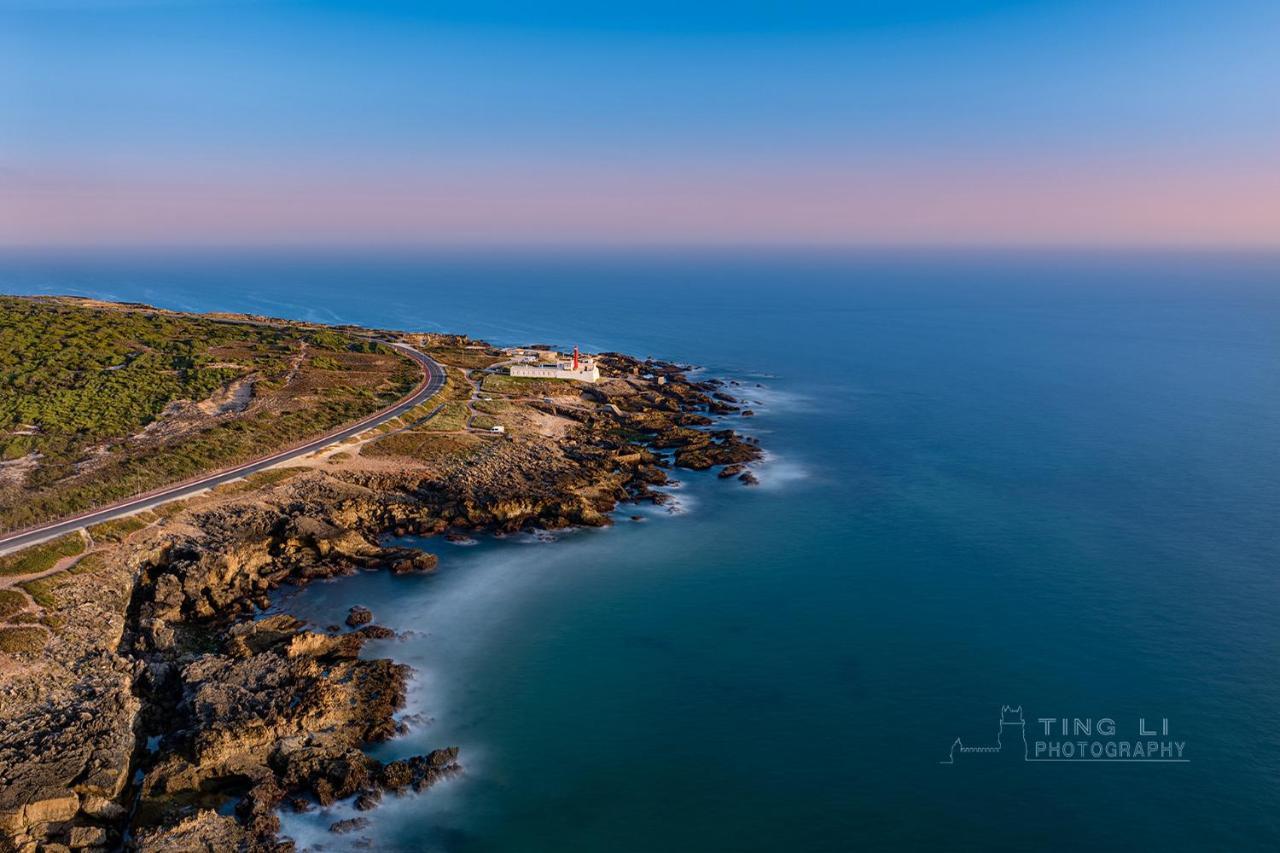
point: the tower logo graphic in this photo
(1011, 739)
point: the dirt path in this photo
(471, 400)
(62, 565)
(296, 365)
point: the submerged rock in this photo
(351, 824)
(375, 632)
(422, 562)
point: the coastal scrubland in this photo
(100, 401)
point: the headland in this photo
(146, 701)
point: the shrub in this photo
(11, 601)
(118, 529)
(41, 591)
(88, 564)
(22, 641)
(416, 444)
(325, 339)
(452, 417)
(42, 557)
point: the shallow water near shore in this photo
(1040, 480)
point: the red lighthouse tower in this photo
(575, 357)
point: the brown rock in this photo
(351, 824)
(204, 832)
(420, 563)
(87, 836)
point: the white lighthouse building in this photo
(579, 367)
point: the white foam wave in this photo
(763, 399)
(310, 830)
(678, 501)
(775, 472)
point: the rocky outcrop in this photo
(359, 615)
(280, 712)
(417, 563)
(206, 831)
(351, 824)
(68, 716)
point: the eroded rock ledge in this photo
(165, 713)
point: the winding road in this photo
(433, 379)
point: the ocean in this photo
(1042, 481)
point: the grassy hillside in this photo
(102, 401)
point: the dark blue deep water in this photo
(1045, 480)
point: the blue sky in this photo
(569, 121)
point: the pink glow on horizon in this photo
(1016, 206)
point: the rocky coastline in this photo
(170, 714)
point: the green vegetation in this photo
(467, 357)
(456, 386)
(260, 480)
(42, 557)
(170, 509)
(272, 476)
(450, 418)
(484, 422)
(522, 386)
(419, 444)
(118, 529)
(326, 339)
(17, 446)
(419, 411)
(494, 407)
(92, 562)
(81, 382)
(11, 601)
(41, 591)
(25, 640)
(73, 374)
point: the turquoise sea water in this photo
(1043, 480)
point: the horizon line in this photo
(941, 247)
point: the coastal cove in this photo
(1046, 480)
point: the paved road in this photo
(432, 381)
